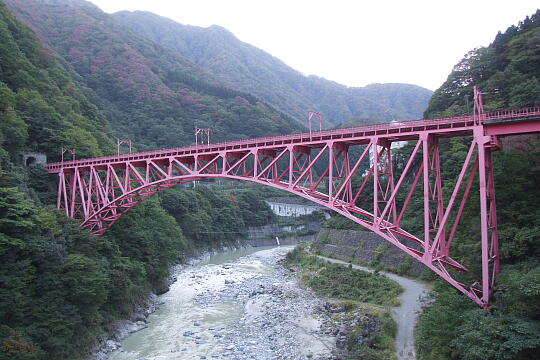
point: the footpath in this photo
(406, 313)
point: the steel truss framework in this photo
(351, 171)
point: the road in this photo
(406, 313)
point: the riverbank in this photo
(119, 330)
(367, 328)
(244, 304)
(406, 314)
(368, 252)
(235, 306)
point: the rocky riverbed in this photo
(236, 306)
(244, 304)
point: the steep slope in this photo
(508, 72)
(150, 94)
(41, 107)
(252, 70)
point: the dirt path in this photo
(405, 314)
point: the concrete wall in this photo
(32, 158)
(365, 247)
(266, 235)
(270, 231)
(293, 240)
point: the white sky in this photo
(352, 42)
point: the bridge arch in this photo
(101, 220)
(350, 171)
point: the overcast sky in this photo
(352, 42)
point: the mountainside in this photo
(507, 72)
(452, 327)
(252, 70)
(150, 94)
(61, 289)
(41, 107)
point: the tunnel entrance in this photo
(30, 161)
(32, 158)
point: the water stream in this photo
(235, 305)
(242, 304)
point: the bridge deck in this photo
(324, 167)
(515, 121)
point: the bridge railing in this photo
(516, 113)
(363, 128)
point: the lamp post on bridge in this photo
(312, 113)
(202, 132)
(71, 151)
(120, 142)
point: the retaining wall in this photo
(365, 247)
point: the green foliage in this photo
(520, 290)
(61, 286)
(379, 252)
(155, 239)
(452, 327)
(252, 70)
(376, 345)
(499, 337)
(149, 94)
(86, 281)
(341, 282)
(84, 143)
(342, 223)
(254, 211)
(38, 96)
(507, 71)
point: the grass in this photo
(370, 329)
(345, 283)
(403, 269)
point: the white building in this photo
(293, 210)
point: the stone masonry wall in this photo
(365, 247)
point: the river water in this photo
(242, 304)
(236, 305)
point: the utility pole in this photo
(478, 113)
(202, 132)
(120, 142)
(71, 151)
(312, 113)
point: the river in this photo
(236, 305)
(242, 304)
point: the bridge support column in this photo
(433, 198)
(488, 218)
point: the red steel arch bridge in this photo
(350, 171)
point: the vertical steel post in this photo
(330, 170)
(484, 223)
(425, 169)
(494, 246)
(375, 147)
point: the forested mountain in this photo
(41, 107)
(452, 327)
(507, 72)
(150, 94)
(252, 70)
(60, 288)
